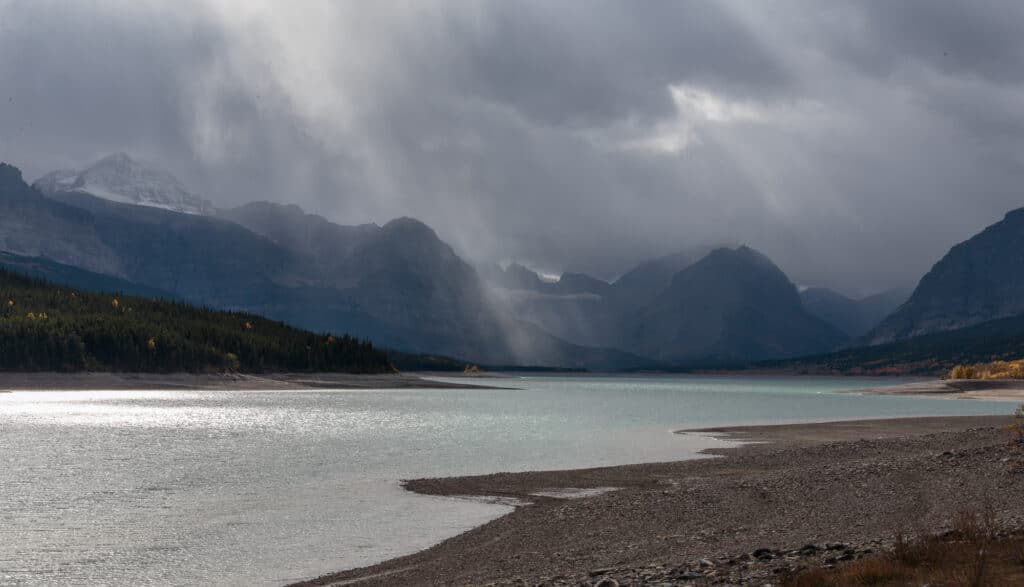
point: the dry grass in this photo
(1017, 439)
(970, 556)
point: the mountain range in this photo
(124, 222)
(397, 284)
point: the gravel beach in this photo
(797, 495)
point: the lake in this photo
(187, 487)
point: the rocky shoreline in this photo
(757, 567)
(804, 495)
(760, 567)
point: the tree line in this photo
(46, 327)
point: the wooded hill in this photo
(45, 327)
(929, 354)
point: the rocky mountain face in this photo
(853, 317)
(119, 178)
(978, 280)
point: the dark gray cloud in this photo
(853, 143)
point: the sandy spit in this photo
(991, 389)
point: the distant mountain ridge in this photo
(119, 178)
(853, 317)
(520, 277)
(732, 304)
(721, 305)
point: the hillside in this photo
(45, 327)
(930, 354)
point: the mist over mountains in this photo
(132, 225)
(397, 284)
(568, 138)
(120, 178)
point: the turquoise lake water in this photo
(225, 488)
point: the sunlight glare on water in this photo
(187, 487)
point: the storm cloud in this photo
(853, 143)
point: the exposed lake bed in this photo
(800, 496)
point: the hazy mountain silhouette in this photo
(853, 317)
(732, 304)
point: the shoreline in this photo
(95, 381)
(985, 389)
(852, 483)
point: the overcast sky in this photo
(851, 142)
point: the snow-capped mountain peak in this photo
(120, 178)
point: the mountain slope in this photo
(199, 258)
(853, 317)
(732, 304)
(71, 276)
(643, 283)
(835, 308)
(400, 274)
(33, 226)
(119, 178)
(929, 354)
(978, 280)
